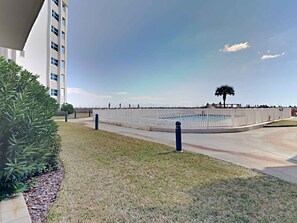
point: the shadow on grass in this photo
(256, 199)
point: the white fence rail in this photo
(192, 118)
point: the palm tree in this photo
(224, 90)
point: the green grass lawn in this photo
(112, 178)
(283, 123)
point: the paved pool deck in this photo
(270, 150)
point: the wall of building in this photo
(34, 57)
(62, 82)
(37, 53)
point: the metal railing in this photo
(192, 118)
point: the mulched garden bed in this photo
(41, 196)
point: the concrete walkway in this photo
(14, 210)
(270, 150)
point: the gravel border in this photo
(41, 196)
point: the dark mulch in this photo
(40, 196)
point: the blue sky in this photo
(176, 52)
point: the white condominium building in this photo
(45, 52)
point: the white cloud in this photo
(82, 92)
(269, 56)
(235, 47)
(121, 93)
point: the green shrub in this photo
(59, 113)
(67, 107)
(29, 143)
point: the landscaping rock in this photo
(40, 196)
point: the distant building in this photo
(45, 52)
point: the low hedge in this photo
(59, 113)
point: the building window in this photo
(55, 46)
(63, 21)
(54, 77)
(63, 35)
(55, 15)
(62, 49)
(63, 64)
(56, 2)
(55, 31)
(64, 8)
(62, 92)
(62, 79)
(54, 61)
(54, 92)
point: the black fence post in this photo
(178, 137)
(75, 114)
(66, 116)
(96, 122)
(89, 113)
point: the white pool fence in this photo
(192, 118)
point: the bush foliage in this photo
(29, 143)
(67, 107)
(59, 113)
